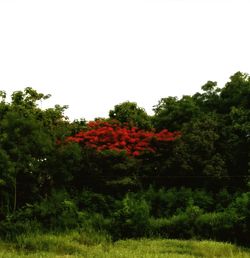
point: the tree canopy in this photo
(196, 141)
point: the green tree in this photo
(209, 100)
(129, 112)
(27, 138)
(172, 113)
(236, 92)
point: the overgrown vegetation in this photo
(90, 245)
(182, 173)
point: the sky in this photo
(92, 55)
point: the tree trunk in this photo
(14, 206)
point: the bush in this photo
(166, 203)
(95, 202)
(223, 200)
(58, 211)
(241, 207)
(93, 222)
(178, 226)
(131, 219)
(217, 225)
(11, 227)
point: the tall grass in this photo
(98, 245)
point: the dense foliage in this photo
(183, 172)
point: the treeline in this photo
(149, 183)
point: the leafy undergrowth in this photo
(99, 245)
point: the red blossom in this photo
(112, 135)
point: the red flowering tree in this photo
(114, 136)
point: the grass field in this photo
(77, 244)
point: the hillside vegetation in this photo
(182, 173)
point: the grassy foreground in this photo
(77, 244)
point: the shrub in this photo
(217, 225)
(131, 219)
(11, 227)
(95, 202)
(166, 203)
(241, 207)
(93, 222)
(181, 225)
(223, 199)
(58, 211)
(159, 227)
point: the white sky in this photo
(92, 55)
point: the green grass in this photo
(93, 245)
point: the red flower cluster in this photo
(112, 135)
